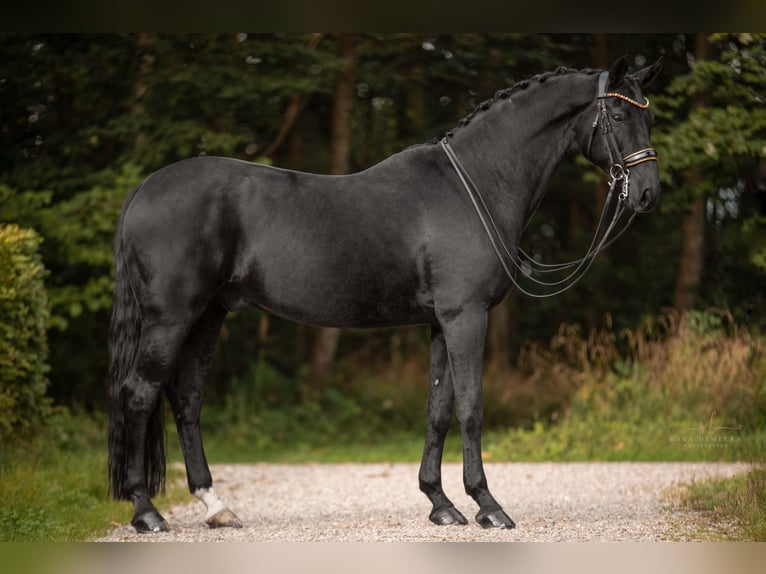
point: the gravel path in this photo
(381, 502)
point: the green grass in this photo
(54, 488)
(55, 497)
(576, 439)
(586, 438)
(397, 447)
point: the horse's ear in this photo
(618, 71)
(647, 75)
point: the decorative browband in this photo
(629, 100)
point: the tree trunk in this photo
(139, 90)
(692, 259)
(326, 343)
(692, 252)
(294, 110)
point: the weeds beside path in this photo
(723, 509)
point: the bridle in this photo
(619, 171)
(619, 165)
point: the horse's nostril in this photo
(646, 201)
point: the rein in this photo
(619, 171)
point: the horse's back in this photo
(340, 250)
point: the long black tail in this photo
(124, 336)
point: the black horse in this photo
(397, 244)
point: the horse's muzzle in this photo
(647, 200)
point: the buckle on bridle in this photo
(619, 173)
(616, 172)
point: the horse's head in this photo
(616, 137)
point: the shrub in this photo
(681, 387)
(24, 314)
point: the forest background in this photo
(664, 333)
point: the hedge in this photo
(24, 314)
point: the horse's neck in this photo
(512, 149)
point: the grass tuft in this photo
(739, 500)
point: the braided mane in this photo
(505, 93)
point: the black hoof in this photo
(149, 522)
(495, 519)
(447, 516)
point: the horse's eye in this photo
(618, 117)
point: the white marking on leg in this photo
(210, 500)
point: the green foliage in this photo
(53, 487)
(267, 411)
(415, 87)
(21, 206)
(754, 231)
(711, 137)
(690, 388)
(78, 254)
(80, 232)
(714, 117)
(24, 316)
(218, 94)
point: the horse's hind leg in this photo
(145, 455)
(441, 399)
(185, 393)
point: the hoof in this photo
(224, 518)
(447, 516)
(149, 522)
(495, 519)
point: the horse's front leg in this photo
(185, 393)
(465, 332)
(441, 400)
